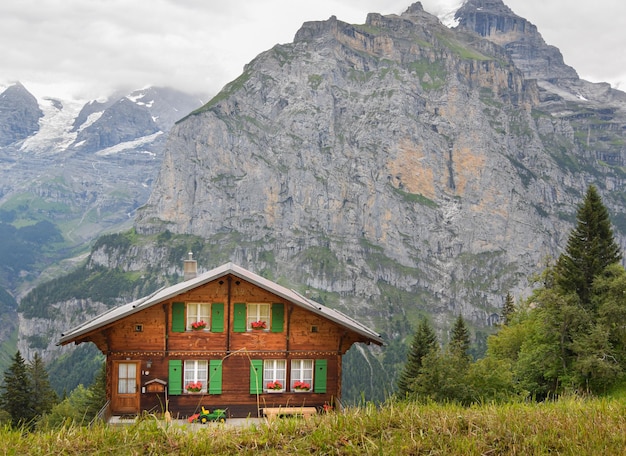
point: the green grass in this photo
(568, 426)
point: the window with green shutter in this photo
(217, 317)
(239, 317)
(256, 376)
(215, 376)
(278, 317)
(178, 317)
(175, 379)
(319, 379)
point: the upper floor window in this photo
(198, 315)
(258, 317)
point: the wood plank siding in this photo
(231, 358)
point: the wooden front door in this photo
(125, 397)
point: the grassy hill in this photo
(567, 426)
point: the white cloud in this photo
(88, 47)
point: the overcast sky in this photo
(86, 48)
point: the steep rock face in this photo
(394, 155)
(19, 114)
(493, 20)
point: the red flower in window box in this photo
(301, 386)
(258, 325)
(198, 325)
(274, 386)
(194, 387)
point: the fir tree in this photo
(97, 395)
(460, 340)
(17, 391)
(43, 397)
(590, 248)
(424, 342)
(508, 309)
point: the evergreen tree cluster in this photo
(568, 336)
(29, 401)
(26, 392)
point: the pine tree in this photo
(43, 397)
(460, 340)
(508, 309)
(424, 342)
(17, 391)
(590, 248)
(97, 396)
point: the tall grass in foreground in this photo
(566, 427)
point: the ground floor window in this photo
(196, 376)
(301, 375)
(274, 375)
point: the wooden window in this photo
(198, 312)
(256, 376)
(274, 375)
(196, 373)
(215, 376)
(301, 375)
(127, 378)
(258, 314)
(321, 366)
(175, 379)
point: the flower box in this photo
(301, 387)
(198, 325)
(274, 387)
(194, 387)
(258, 325)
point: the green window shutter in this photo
(256, 376)
(278, 317)
(178, 317)
(319, 379)
(175, 379)
(215, 376)
(239, 319)
(217, 317)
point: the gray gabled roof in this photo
(166, 293)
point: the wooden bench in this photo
(277, 412)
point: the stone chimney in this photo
(190, 267)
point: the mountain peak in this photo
(496, 22)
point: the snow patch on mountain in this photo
(447, 13)
(55, 127)
(134, 144)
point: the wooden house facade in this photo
(225, 339)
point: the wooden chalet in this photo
(228, 339)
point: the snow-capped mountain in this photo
(82, 165)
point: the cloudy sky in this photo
(86, 48)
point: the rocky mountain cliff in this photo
(402, 166)
(390, 169)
